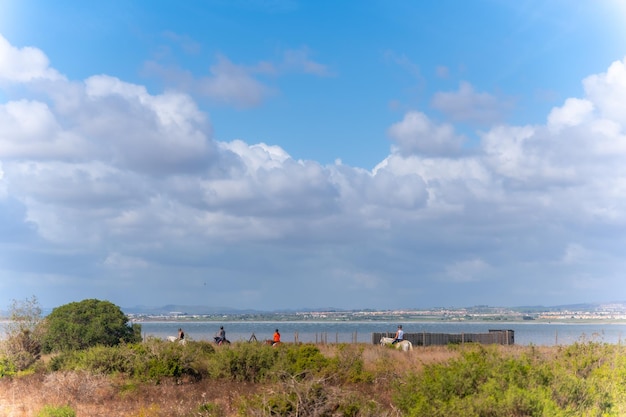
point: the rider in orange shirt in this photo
(276, 338)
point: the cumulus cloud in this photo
(468, 105)
(607, 92)
(24, 64)
(574, 112)
(106, 176)
(417, 134)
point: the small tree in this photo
(80, 325)
(22, 346)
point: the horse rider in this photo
(399, 335)
(221, 336)
(276, 338)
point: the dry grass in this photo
(100, 396)
(95, 395)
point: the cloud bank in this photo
(110, 191)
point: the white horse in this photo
(405, 345)
(175, 339)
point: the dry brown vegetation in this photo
(96, 395)
(101, 395)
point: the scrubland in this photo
(160, 378)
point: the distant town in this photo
(590, 312)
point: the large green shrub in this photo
(251, 362)
(87, 323)
(148, 361)
(582, 380)
(348, 365)
(301, 360)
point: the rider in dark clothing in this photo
(221, 336)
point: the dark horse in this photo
(219, 341)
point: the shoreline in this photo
(229, 319)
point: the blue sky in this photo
(288, 154)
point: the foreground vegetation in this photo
(85, 360)
(160, 378)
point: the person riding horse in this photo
(399, 335)
(276, 338)
(221, 336)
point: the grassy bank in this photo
(159, 378)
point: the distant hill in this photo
(617, 305)
(211, 310)
(184, 309)
(200, 310)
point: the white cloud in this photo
(232, 84)
(28, 129)
(227, 84)
(607, 92)
(417, 134)
(103, 169)
(237, 85)
(574, 112)
(24, 64)
(3, 184)
(467, 105)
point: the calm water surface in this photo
(526, 333)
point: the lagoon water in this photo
(526, 333)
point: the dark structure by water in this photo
(501, 337)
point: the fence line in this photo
(501, 337)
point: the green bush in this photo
(51, 411)
(582, 380)
(347, 365)
(301, 360)
(250, 362)
(7, 368)
(149, 361)
(85, 324)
